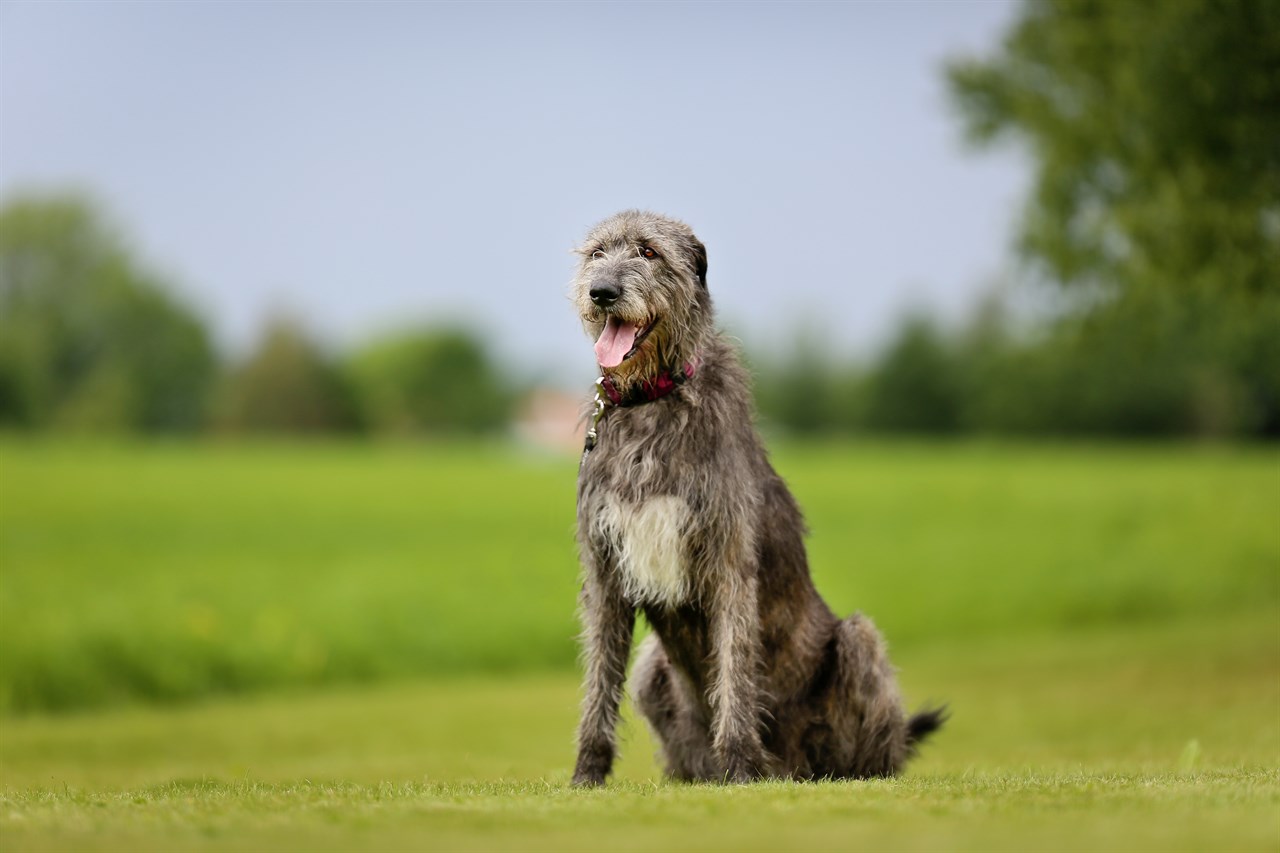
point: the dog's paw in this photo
(588, 780)
(593, 766)
(742, 768)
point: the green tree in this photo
(806, 391)
(1156, 132)
(915, 386)
(87, 338)
(429, 381)
(1156, 127)
(287, 385)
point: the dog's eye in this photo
(647, 252)
(597, 255)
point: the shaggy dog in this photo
(747, 673)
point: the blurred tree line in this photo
(1153, 225)
(89, 341)
(1145, 377)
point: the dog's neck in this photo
(646, 389)
(610, 394)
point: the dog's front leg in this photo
(735, 699)
(608, 621)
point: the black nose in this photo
(604, 293)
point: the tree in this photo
(915, 387)
(429, 381)
(287, 385)
(87, 338)
(805, 390)
(1156, 131)
(1156, 128)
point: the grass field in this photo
(1158, 738)
(340, 646)
(172, 572)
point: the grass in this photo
(1057, 743)
(170, 573)
(339, 647)
(1025, 812)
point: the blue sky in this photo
(368, 166)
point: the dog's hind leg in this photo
(675, 717)
(870, 734)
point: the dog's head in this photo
(641, 291)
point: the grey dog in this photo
(747, 673)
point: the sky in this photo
(368, 167)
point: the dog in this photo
(747, 673)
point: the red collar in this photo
(648, 390)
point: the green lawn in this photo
(349, 646)
(175, 572)
(1155, 738)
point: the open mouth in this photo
(620, 339)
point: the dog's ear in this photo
(699, 254)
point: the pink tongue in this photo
(615, 342)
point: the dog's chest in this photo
(649, 539)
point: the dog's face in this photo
(641, 291)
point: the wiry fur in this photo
(748, 673)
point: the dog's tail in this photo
(924, 723)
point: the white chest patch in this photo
(650, 544)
